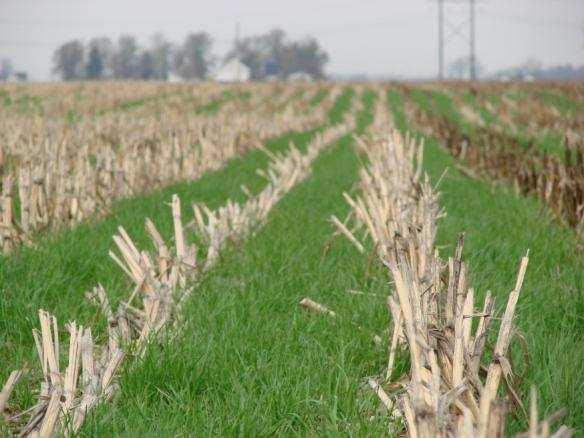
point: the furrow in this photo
(163, 279)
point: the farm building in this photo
(174, 78)
(233, 71)
(17, 76)
(300, 76)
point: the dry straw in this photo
(500, 155)
(55, 173)
(453, 387)
(162, 280)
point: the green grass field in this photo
(248, 361)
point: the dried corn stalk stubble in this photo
(54, 175)
(502, 156)
(162, 280)
(453, 385)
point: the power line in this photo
(532, 21)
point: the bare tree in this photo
(305, 56)
(95, 65)
(460, 68)
(272, 53)
(193, 59)
(99, 62)
(250, 52)
(68, 60)
(125, 59)
(6, 69)
(161, 50)
(146, 66)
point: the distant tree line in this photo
(273, 54)
(8, 73)
(269, 54)
(532, 68)
(6, 69)
(100, 58)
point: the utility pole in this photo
(473, 66)
(440, 40)
(237, 49)
(457, 30)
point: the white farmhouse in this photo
(300, 76)
(17, 76)
(174, 78)
(233, 71)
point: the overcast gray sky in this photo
(379, 37)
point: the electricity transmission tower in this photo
(456, 30)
